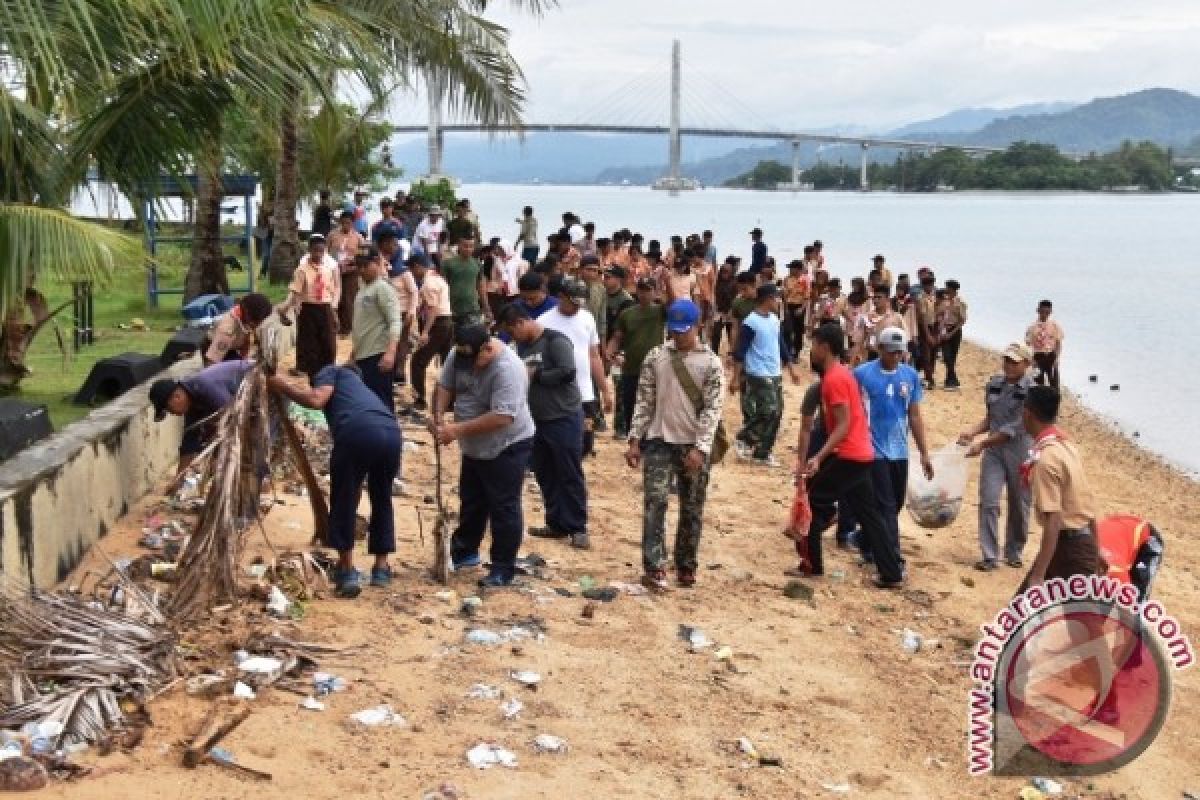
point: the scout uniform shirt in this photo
(952, 316)
(317, 282)
(1005, 402)
(1059, 484)
(1044, 337)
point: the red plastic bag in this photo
(798, 523)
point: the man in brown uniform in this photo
(1062, 499)
(927, 322)
(951, 319)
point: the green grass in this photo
(57, 375)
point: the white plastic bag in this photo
(936, 503)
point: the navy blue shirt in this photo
(533, 311)
(352, 405)
(209, 391)
(384, 225)
(758, 257)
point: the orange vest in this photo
(1119, 538)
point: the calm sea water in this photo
(1123, 271)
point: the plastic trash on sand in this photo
(243, 692)
(1047, 786)
(262, 665)
(379, 716)
(481, 691)
(312, 704)
(278, 603)
(512, 708)
(545, 743)
(325, 683)
(696, 638)
(937, 503)
(836, 788)
(527, 678)
(487, 755)
(910, 641)
(484, 637)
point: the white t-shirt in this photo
(513, 269)
(429, 231)
(581, 330)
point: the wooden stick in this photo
(211, 735)
(316, 497)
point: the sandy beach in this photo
(826, 688)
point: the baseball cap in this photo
(1017, 351)
(767, 290)
(574, 288)
(160, 393)
(618, 272)
(892, 340)
(682, 316)
(646, 283)
(468, 341)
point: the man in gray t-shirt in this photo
(557, 408)
(486, 384)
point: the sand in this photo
(826, 688)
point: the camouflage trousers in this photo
(762, 411)
(662, 466)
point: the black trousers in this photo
(950, 356)
(588, 435)
(793, 327)
(370, 453)
(557, 463)
(489, 491)
(849, 482)
(1047, 368)
(441, 339)
(723, 324)
(377, 380)
(629, 384)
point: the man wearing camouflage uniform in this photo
(671, 436)
(1005, 446)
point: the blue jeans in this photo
(558, 466)
(489, 491)
(370, 452)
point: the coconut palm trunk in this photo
(285, 251)
(206, 272)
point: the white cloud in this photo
(803, 66)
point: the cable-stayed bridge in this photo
(638, 103)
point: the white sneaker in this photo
(742, 449)
(770, 461)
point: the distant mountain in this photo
(545, 157)
(969, 120)
(1165, 116)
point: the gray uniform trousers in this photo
(1001, 469)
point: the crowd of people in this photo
(541, 340)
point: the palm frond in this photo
(36, 241)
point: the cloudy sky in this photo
(804, 66)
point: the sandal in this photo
(347, 583)
(656, 580)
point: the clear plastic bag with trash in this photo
(937, 503)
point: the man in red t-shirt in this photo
(841, 469)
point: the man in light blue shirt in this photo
(892, 396)
(759, 358)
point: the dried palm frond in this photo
(67, 660)
(231, 480)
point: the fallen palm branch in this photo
(64, 660)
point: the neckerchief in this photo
(1045, 438)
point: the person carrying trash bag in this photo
(1133, 550)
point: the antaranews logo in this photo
(1071, 678)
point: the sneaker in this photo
(899, 583)
(381, 577)
(466, 561)
(986, 564)
(1015, 563)
(580, 541)
(495, 580)
(656, 580)
(771, 462)
(686, 577)
(742, 449)
(347, 583)
(546, 532)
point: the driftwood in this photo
(213, 730)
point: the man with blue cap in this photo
(672, 435)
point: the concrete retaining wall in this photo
(60, 496)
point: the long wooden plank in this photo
(316, 497)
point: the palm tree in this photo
(450, 42)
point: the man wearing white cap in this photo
(892, 392)
(1004, 445)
